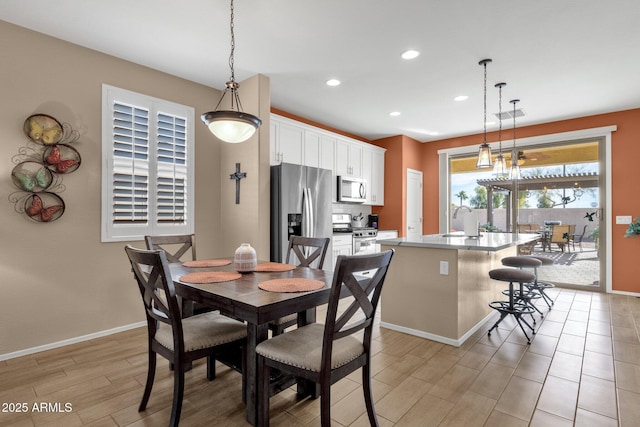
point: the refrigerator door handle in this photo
(305, 213)
(312, 220)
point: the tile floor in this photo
(581, 369)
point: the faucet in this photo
(455, 212)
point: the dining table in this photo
(243, 300)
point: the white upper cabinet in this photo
(349, 157)
(287, 143)
(373, 172)
(301, 144)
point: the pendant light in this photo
(484, 153)
(514, 172)
(232, 125)
(500, 167)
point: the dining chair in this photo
(181, 341)
(175, 246)
(324, 354)
(307, 250)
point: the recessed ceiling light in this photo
(394, 113)
(461, 98)
(433, 133)
(333, 82)
(490, 123)
(410, 54)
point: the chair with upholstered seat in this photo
(175, 248)
(310, 252)
(324, 354)
(181, 341)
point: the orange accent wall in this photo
(402, 153)
(625, 183)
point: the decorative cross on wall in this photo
(237, 175)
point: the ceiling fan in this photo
(530, 156)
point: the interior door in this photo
(414, 204)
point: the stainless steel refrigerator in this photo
(300, 205)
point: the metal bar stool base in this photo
(517, 310)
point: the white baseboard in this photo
(70, 341)
(631, 294)
(433, 337)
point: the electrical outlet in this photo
(444, 268)
(623, 219)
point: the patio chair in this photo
(560, 236)
(577, 238)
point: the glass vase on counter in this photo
(245, 259)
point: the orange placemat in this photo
(274, 266)
(210, 277)
(291, 285)
(207, 263)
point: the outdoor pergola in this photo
(575, 181)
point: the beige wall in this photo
(58, 280)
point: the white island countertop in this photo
(485, 242)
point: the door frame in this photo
(406, 221)
(602, 133)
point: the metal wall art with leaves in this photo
(39, 167)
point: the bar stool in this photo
(541, 287)
(513, 307)
(526, 296)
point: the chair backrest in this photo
(584, 230)
(524, 228)
(535, 227)
(560, 234)
(308, 250)
(151, 271)
(365, 290)
(174, 246)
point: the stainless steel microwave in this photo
(352, 190)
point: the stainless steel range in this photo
(364, 238)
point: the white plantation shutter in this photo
(148, 168)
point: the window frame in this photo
(111, 231)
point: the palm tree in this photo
(462, 195)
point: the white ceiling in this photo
(563, 59)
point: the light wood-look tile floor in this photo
(582, 369)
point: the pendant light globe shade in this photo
(500, 169)
(484, 156)
(514, 171)
(231, 126)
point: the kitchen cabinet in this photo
(318, 150)
(302, 144)
(287, 143)
(348, 159)
(342, 244)
(373, 172)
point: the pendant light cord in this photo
(485, 102)
(233, 46)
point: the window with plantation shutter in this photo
(147, 177)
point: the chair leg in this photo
(151, 373)
(264, 372)
(325, 404)
(211, 368)
(368, 395)
(178, 394)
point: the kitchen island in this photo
(438, 286)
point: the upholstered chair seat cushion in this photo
(286, 319)
(204, 330)
(302, 348)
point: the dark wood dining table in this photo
(243, 300)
